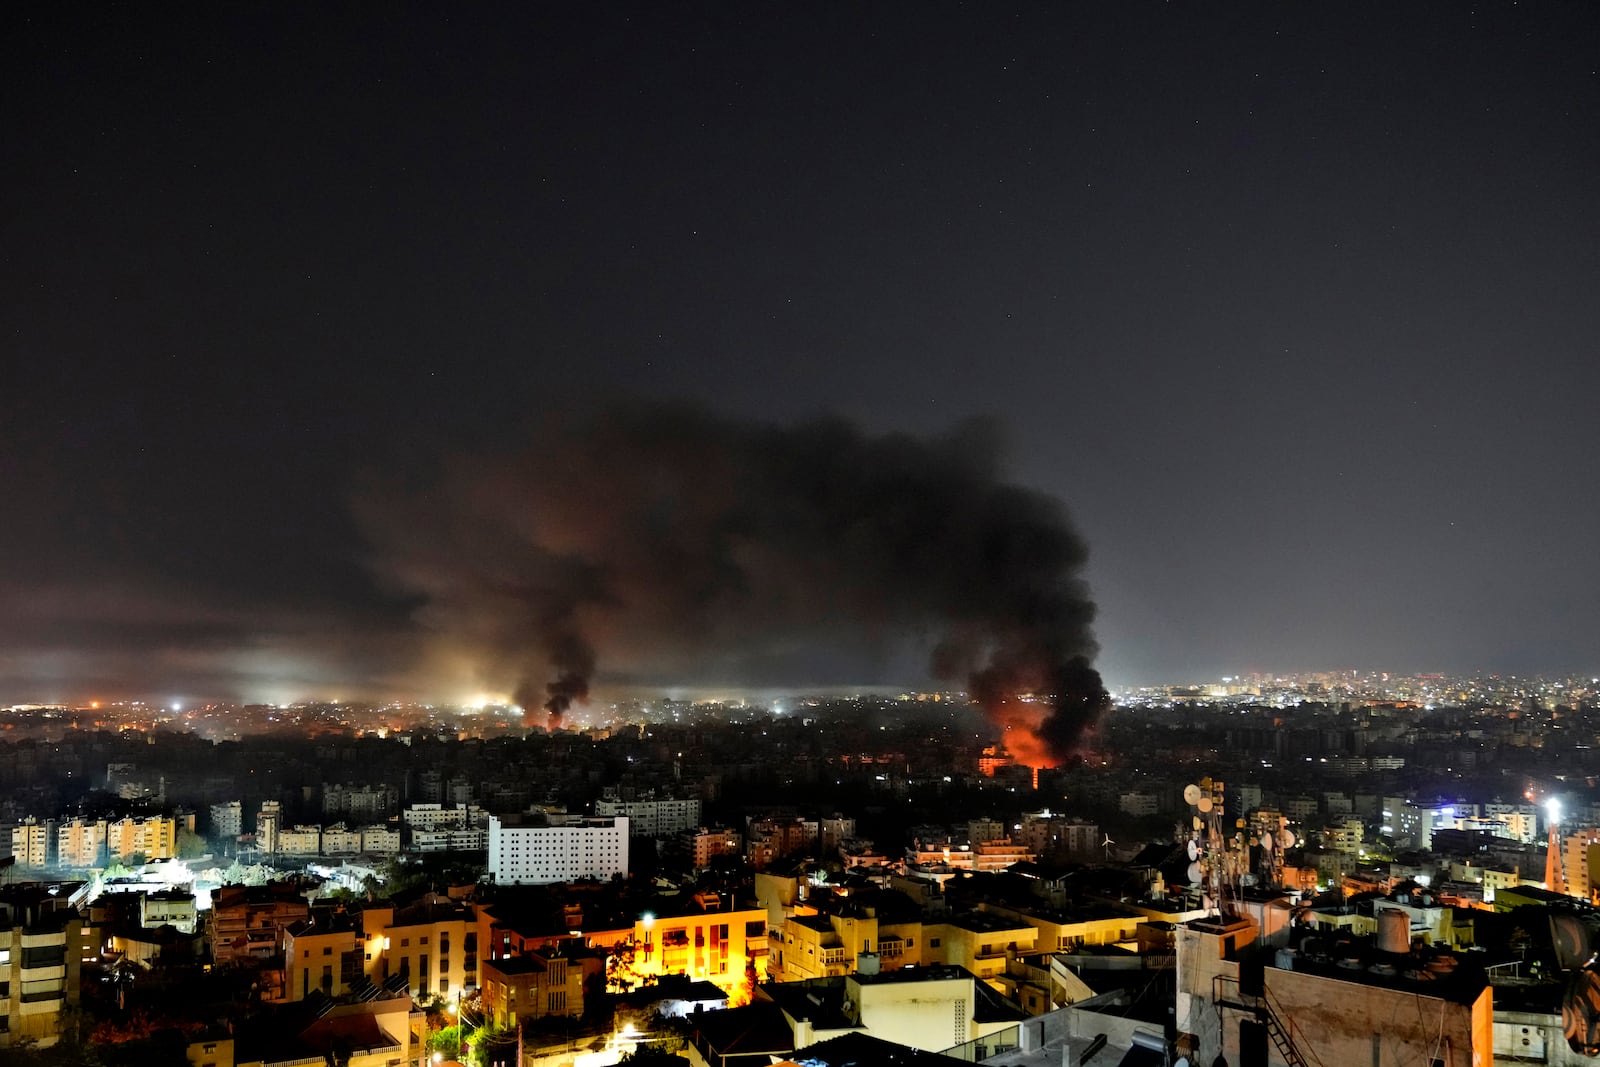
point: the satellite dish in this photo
(1197, 823)
(1193, 850)
(1181, 1061)
(1253, 841)
(1194, 874)
(1204, 804)
(1286, 838)
(1191, 794)
(1266, 842)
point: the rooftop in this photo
(983, 922)
(1443, 975)
(752, 1030)
(855, 1049)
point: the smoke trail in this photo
(660, 535)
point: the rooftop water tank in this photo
(1394, 931)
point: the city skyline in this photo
(1289, 310)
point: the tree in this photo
(620, 975)
(191, 846)
(745, 992)
(492, 1045)
(446, 1039)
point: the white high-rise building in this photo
(538, 849)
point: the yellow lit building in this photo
(1060, 931)
(81, 843)
(154, 838)
(807, 946)
(433, 942)
(977, 941)
(819, 946)
(321, 953)
(703, 942)
(30, 842)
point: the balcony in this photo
(40, 1003)
(832, 955)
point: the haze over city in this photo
(1283, 319)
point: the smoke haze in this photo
(652, 538)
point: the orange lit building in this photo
(703, 942)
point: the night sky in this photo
(1294, 307)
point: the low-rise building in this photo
(380, 840)
(248, 922)
(885, 928)
(977, 941)
(422, 817)
(1067, 929)
(1044, 833)
(1238, 1001)
(537, 984)
(174, 908)
(339, 840)
(300, 840)
(927, 1008)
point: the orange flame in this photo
(1021, 721)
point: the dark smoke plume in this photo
(660, 535)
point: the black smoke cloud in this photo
(663, 535)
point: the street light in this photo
(455, 1009)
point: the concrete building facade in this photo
(537, 850)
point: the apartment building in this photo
(249, 922)
(40, 957)
(434, 943)
(32, 841)
(538, 983)
(652, 818)
(540, 849)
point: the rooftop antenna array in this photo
(1273, 841)
(1217, 862)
